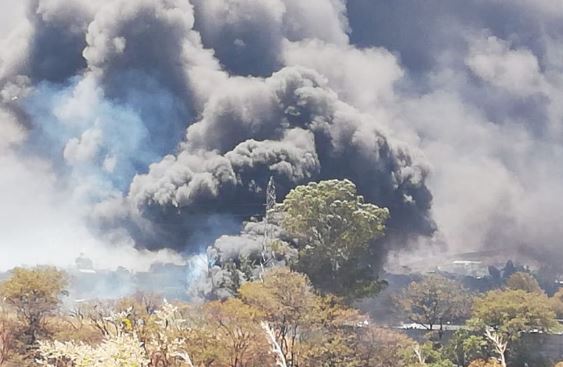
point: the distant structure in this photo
(268, 232)
(88, 282)
(84, 263)
(469, 268)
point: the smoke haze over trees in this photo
(136, 130)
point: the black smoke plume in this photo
(156, 124)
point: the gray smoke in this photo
(293, 127)
(480, 99)
(159, 122)
(248, 36)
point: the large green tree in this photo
(335, 230)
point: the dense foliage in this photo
(336, 231)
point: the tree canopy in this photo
(433, 301)
(512, 312)
(335, 230)
(34, 293)
(285, 300)
(523, 281)
(557, 303)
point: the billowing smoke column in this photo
(156, 124)
(165, 144)
(290, 126)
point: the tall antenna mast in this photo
(270, 204)
(270, 196)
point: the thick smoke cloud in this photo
(293, 127)
(47, 46)
(102, 112)
(142, 42)
(248, 36)
(479, 99)
(156, 124)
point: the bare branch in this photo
(499, 343)
(418, 354)
(280, 358)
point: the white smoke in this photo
(42, 223)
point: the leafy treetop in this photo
(335, 230)
(511, 312)
(523, 281)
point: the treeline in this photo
(298, 312)
(489, 326)
(280, 320)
